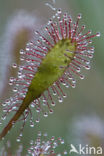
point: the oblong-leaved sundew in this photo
(43, 145)
(55, 54)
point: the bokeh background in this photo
(80, 118)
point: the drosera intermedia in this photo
(56, 53)
(44, 145)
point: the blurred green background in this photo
(87, 99)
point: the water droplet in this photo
(55, 144)
(18, 139)
(27, 48)
(32, 105)
(70, 77)
(22, 58)
(50, 111)
(36, 32)
(88, 62)
(11, 79)
(31, 142)
(59, 11)
(37, 120)
(4, 110)
(10, 83)
(53, 138)
(22, 52)
(60, 99)
(21, 135)
(4, 104)
(67, 86)
(15, 89)
(38, 110)
(90, 31)
(90, 41)
(14, 65)
(87, 67)
(20, 68)
(3, 138)
(45, 114)
(82, 77)
(78, 70)
(31, 124)
(98, 34)
(73, 81)
(53, 104)
(53, 16)
(65, 95)
(73, 85)
(62, 141)
(83, 26)
(79, 16)
(14, 108)
(54, 93)
(90, 55)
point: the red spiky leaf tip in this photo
(54, 57)
(44, 146)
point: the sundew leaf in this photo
(53, 57)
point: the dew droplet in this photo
(53, 104)
(88, 62)
(15, 89)
(54, 93)
(27, 48)
(4, 104)
(32, 105)
(60, 99)
(79, 16)
(31, 142)
(22, 52)
(73, 85)
(87, 67)
(65, 95)
(14, 65)
(59, 11)
(21, 135)
(90, 55)
(31, 124)
(22, 58)
(62, 141)
(98, 34)
(50, 111)
(37, 120)
(10, 83)
(73, 81)
(82, 77)
(45, 114)
(18, 139)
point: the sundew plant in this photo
(46, 146)
(41, 146)
(53, 57)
